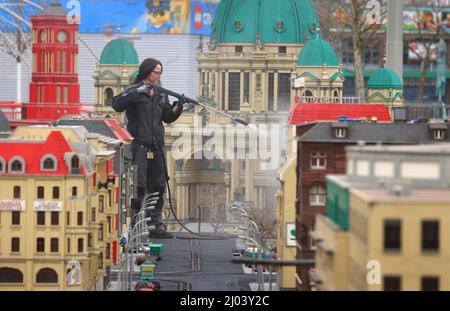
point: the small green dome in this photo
(119, 51)
(385, 79)
(243, 21)
(317, 52)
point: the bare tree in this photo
(429, 31)
(216, 223)
(351, 18)
(15, 31)
(264, 218)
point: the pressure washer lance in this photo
(195, 102)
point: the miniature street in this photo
(196, 265)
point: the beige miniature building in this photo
(58, 210)
(318, 73)
(118, 65)
(286, 241)
(385, 87)
(387, 221)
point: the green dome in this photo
(119, 51)
(385, 79)
(242, 21)
(317, 52)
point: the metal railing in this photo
(137, 235)
(330, 100)
(15, 112)
(421, 112)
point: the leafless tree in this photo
(429, 26)
(351, 18)
(216, 223)
(15, 30)
(264, 218)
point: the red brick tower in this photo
(54, 89)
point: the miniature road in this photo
(204, 264)
(197, 265)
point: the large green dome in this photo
(273, 21)
(119, 51)
(317, 52)
(384, 78)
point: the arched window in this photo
(100, 261)
(108, 251)
(79, 218)
(336, 93)
(318, 160)
(10, 275)
(75, 164)
(16, 192)
(109, 94)
(58, 94)
(46, 275)
(317, 195)
(55, 192)
(40, 192)
(48, 162)
(308, 93)
(17, 165)
(80, 245)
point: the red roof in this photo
(118, 130)
(33, 152)
(306, 113)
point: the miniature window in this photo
(340, 133)
(318, 160)
(46, 275)
(439, 134)
(17, 165)
(317, 195)
(280, 26)
(75, 164)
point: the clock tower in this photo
(54, 88)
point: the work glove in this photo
(145, 89)
(180, 102)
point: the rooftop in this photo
(317, 52)
(415, 196)
(268, 21)
(32, 154)
(307, 113)
(106, 127)
(386, 133)
(118, 52)
(411, 149)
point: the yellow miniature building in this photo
(58, 210)
(286, 243)
(387, 221)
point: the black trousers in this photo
(151, 178)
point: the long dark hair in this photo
(146, 68)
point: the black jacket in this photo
(145, 114)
